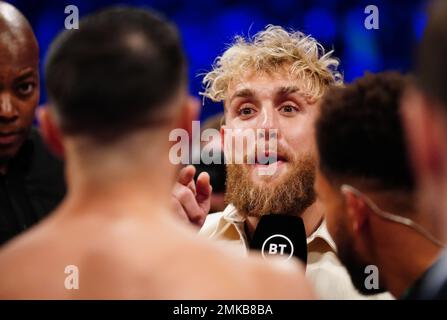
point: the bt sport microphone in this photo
(281, 235)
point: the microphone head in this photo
(281, 235)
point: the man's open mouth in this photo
(270, 158)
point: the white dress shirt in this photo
(328, 276)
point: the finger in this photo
(179, 211)
(186, 175)
(178, 189)
(192, 187)
(203, 197)
(189, 203)
(203, 186)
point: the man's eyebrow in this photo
(25, 74)
(284, 91)
(243, 93)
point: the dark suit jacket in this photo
(33, 187)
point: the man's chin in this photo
(282, 187)
(8, 152)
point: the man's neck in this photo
(403, 259)
(312, 218)
(128, 182)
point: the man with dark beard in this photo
(366, 186)
(272, 84)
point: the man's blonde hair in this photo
(270, 51)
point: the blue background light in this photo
(208, 26)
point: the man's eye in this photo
(246, 111)
(25, 88)
(288, 109)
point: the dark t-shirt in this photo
(432, 285)
(33, 186)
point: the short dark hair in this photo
(359, 132)
(431, 67)
(114, 73)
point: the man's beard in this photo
(290, 195)
(354, 264)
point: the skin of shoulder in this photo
(129, 259)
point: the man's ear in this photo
(357, 211)
(50, 130)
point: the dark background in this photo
(207, 26)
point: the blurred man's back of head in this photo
(360, 136)
(117, 73)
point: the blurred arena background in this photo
(207, 25)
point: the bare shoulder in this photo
(237, 276)
(282, 279)
(131, 260)
(178, 264)
(28, 268)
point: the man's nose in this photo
(268, 125)
(8, 112)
